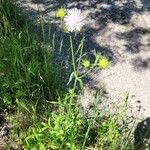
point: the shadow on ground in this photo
(141, 64)
(142, 135)
(102, 12)
(133, 38)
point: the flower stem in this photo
(72, 55)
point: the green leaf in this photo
(71, 77)
(42, 147)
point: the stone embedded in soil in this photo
(4, 127)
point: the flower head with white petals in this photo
(74, 20)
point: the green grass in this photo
(64, 125)
(45, 115)
(26, 66)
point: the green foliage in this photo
(67, 127)
(11, 18)
(26, 67)
(111, 134)
(61, 130)
(46, 116)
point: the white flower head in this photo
(74, 20)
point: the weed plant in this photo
(47, 116)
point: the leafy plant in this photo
(46, 113)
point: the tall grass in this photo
(26, 64)
(47, 115)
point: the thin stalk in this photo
(72, 55)
(43, 30)
(73, 63)
(49, 31)
(75, 83)
(53, 44)
(86, 136)
(80, 56)
(83, 75)
(61, 45)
